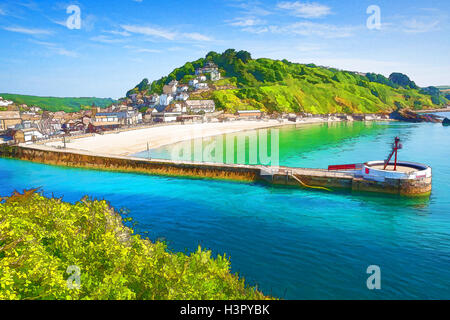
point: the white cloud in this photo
(306, 29)
(119, 33)
(142, 50)
(196, 36)
(250, 7)
(64, 52)
(256, 30)
(43, 43)
(165, 34)
(104, 39)
(314, 29)
(420, 25)
(305, 10)
(246, 22)
(421, 21)
(149, 31)
(28, 30)
(55, 48)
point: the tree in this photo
(245, 56)
(402, 80)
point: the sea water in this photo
(292, 243)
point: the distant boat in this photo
(446, 122)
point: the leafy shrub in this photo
(41, 237)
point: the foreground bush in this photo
(40, 238)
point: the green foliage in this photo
(41, 237)
(283, 86)
(373, 77)
(244, 56)
(437, 96)
(57, 104)
(402, 80)
(143, 109)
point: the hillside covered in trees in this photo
(58, 104)
(283, 86)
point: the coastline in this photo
(433, 110)
(128, 143)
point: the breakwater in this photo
(300, 177)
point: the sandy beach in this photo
(127, 143)
(133, 141)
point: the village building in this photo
(197, 106)
(106, 121)
(182, 96)
(202, 78)
(113, 120)
(73, 125)
(193, 82)
(185, 118)
(165, 100)
(133, 97)
(148, 115)
(152, 100)
(9, 119)
(177, 107)
(32, 117)
(182, 88)
(226, 117)
(29, 135)
(35, 109)
(249, 114)
(5, 103)
(215, 75)
(170, 88)
(166, 116)
(55, 127)
(207, 68)
(201, 86)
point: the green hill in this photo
(283, 86)
(57, 104)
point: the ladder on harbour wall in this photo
(289, 173)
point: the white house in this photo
(201, 85)
(166, 116)
(183, 96)
(200, 105)
(5, 103)
(202, 78)
(182, 88)
(35, 109)
(165, 99)
(153, 99)
(178, 107)
(193, 82)
(215, 75)
(31, 134)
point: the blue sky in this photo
(122, 41)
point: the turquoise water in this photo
(292, 243)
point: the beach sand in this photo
(130, 142)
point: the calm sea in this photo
(292, 243)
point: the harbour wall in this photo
(299, 177)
